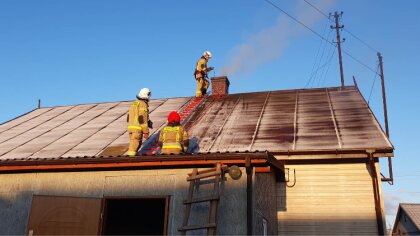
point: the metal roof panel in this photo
(277, 121)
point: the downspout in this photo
(375, 183)
(248, 196)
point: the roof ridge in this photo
(265, 91)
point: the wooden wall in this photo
(17, 190)
(327, 199)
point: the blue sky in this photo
(87, 51)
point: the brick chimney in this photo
(220, 86)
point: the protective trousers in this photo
(135, 141)
(202, 86)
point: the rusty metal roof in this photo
(309, 119)
(277, 121)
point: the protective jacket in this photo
(173, 139)
(201, 68)
(138, 116)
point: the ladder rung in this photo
(204, 175)
(204, 171)
(201, 199)
(194, 227)
(224, 168)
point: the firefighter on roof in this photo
(138, 121)
(201, 71)
(173, 138)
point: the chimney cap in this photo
(221, 78)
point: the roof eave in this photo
(386, 150)
(140, 162)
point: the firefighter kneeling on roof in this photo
(173, 138)
(138, 121)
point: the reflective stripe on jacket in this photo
(138, 116)
(173, 137)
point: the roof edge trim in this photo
(166, 161)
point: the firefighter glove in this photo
(150, 124)
(145, 136)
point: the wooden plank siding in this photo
(327, 199)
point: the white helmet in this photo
(207, 53)
(144, 93)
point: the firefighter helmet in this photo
(144, 93)
(207, 54)
(174, 117)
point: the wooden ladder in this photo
(214, 198)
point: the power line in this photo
(322, 13)
(357, 60)
(318, 62)
(322, 57)
(363, 42)
(317, 53)
(316, 33)
(307, 27)
(373, 84)
(321, 68)
(324, 76)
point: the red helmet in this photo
(174, 117)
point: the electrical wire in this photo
(316, 8)
(322, 56)
(324, 75)
(322, 67)
(317, 61)
(328, 69)
(373, 84)
(316, 33)
(322, 13)
(363, 42)
(327, 61)
(307, 27)
(316, 57)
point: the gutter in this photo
(329, 151)
(262, 159)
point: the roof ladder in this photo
(151, 147)
(194, 178)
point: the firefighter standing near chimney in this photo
(138, 121)
(173, 138)
(201, 73)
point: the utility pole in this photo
(383, 93)
(337, 28)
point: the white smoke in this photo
(268, 44)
